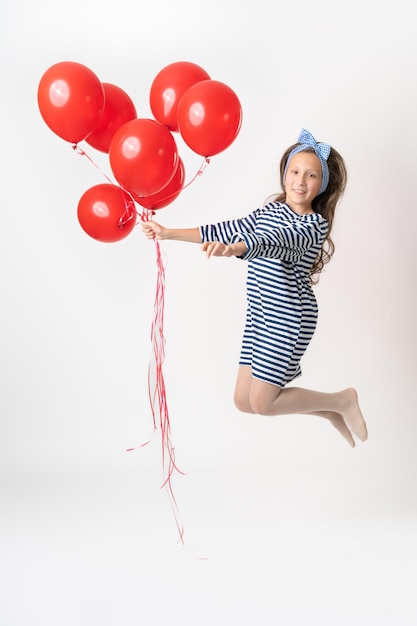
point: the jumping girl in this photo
(286, 244)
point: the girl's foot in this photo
(339, 423)
(352, 414)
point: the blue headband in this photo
(306, 141)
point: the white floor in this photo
(101, 549)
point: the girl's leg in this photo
(267, 399)
(338, 422)
(242, 401)
(243, 388)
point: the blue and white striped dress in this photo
(282, 309)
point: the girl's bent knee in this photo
(242, 404)
(260, 407)
(263, 404)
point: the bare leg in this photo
(267, 399)
(339, 423)
(242, 389)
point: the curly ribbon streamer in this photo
(157, 391)
(156, 380)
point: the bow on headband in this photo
(306, 140)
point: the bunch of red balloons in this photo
(143, 153)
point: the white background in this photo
(297, 527)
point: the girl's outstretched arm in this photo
(153, 230)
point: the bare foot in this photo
(352, 414)
(336, 419)
(339, 423)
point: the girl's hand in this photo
(153, 230)
(216, 248)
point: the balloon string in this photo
(127, 215)
(122, 221)
(200, 171)
(81, 152)
(157, 389)
(156, 380)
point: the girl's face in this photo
(302, 181)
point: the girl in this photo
(286, 244)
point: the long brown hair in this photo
(325, 203)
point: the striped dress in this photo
(281, 306)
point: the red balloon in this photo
(143, 156)
(209, 117)
(107, 213)
(167, 194)
(71, 100)
(118, 109)
(168, 87)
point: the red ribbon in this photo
(156, 381)
(157, 389)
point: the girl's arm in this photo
(288, 242)
(153, 230)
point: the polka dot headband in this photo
(306, 141)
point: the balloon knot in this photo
(78, 150)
